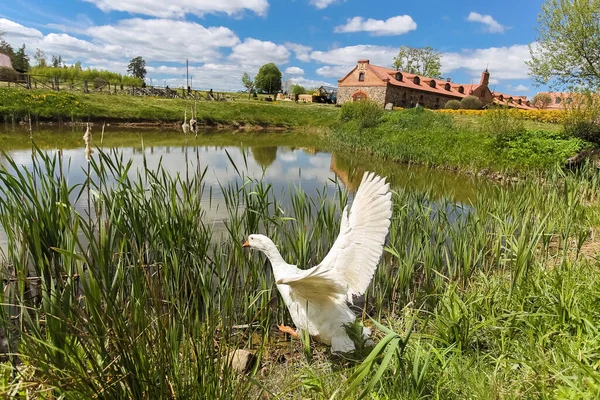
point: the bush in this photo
(582, 117)
(542, 100)
(502, 126)
(99, 83)
(8, 74)
(452, 105)
(367, 113)
(471, 103)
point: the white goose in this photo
(317, 298)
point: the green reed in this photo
(138, 297)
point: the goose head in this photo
(259, 242)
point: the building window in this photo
(501, 98)
(361, 77)
(510, 99)
(569, 100)
(520, 101)
(398, 76)
(558, 100)
(416, 80)
(461, 89)
(447, 86)
(432, 83)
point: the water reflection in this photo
(283, 160)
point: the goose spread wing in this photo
(359, 245)
(316, 284)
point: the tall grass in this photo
(139, 297)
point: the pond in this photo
(284, 160)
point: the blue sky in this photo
(313, 42)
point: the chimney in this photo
(363, 61)
(485, 78)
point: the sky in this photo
(313, 42)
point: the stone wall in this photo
(374, 93)
(408, 98)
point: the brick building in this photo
(385, 85)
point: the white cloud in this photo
(310, 83)
(147, 38)
(294, 71)
(503, 62)
(349, 55)
(320, 4)
(519, 88)
(258, 52)
(392, 26)
(302, 51)
(179, 8)
(491, 25)
(338, 71)
(12, 29)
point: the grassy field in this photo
(493, 142)
(139, 298)
(18, 104)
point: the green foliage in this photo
(365, 113)
(425, 61)
(542, 100)
(565, 52)
(137, 68)
(248, 83)
(501, 125)
(582, 117)
(8, 74)
(268, 78)
(21, 60)
(426, 137)
(471, 103)
(75, 73)
(297, 89)
(452, 104)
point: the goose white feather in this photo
(317, 298)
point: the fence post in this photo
(56, 83)
(85, 87)
(28, 81)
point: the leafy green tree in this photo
(452, 105)
(21, 60)
(268, 79)
(40, 58)
(248, 83)
(6, 48)
(264, 156)
(566, 52)
(542, 100)
(425, 61)
(471, 103)
(137, 67)
(297, 90)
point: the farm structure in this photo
(402, 89)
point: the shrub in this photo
(542, 100)
(582, 117)
(8, 74)
(367, 113)
(471, 103)
(452, 105)
(502, 126)
(99, 83)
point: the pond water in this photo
(284, 160)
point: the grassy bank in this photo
(139, 298)
(487, 143)
(17, 104)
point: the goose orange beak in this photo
(246, 244)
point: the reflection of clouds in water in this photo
(291, 168)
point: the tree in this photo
(566, 52)
(248, 83)
(425, 61)
(57, 62)
(297, 89)
(40, 58)
(542, 100)
(6, 48)
(21, 60)
(471, 103)
(137, 67)
(268, 79)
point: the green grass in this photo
(496, 299)
(424, 137)
(18, 104)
